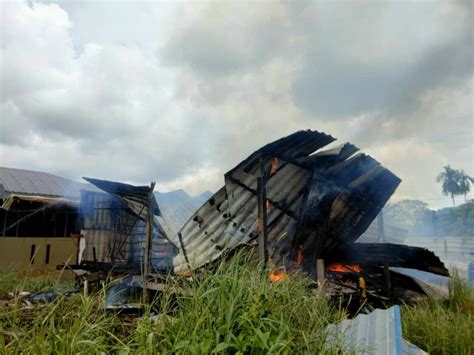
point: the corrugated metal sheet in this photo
(435, 286)
(41, 184)
(326, 186)
(117, 235)
(377, 333)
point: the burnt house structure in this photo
(297, 202)
(38, 215)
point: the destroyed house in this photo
(316, 204)
(296, 202)
(38, 216)
(113, 234)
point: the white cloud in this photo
(180, 93)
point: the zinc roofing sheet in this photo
(27, 182)
(378, 333)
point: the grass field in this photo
(233, 309)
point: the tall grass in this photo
(236, 309)
(233, 308)
(443, 327)
(15, 281)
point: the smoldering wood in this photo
(375, 254)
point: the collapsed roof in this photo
(317, 201)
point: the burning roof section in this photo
(316, 200)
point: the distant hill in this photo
(203, 197)
(177, 206)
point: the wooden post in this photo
(321, 276)
(5, 223)
(18, 225)
(65, 225)
(388, 282)
(149, 235)
(262, 216)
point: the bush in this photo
(443, 327)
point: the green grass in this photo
(14, 280)
(442, 327)
(232, 308)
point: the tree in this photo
(465, 182)
(450, 179)
(411, 215)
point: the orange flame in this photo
(344, 268)
(267, 204)
(274, 165)
(277, 275)
(299, 257)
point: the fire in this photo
(277, 275)
(274, 165)
(298, 258)
(344, 268)
(267, 204)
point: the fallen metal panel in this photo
(136, 197)
(433, 285)
(377, 333)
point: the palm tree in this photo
(465, 182)
(450, 180)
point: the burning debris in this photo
(296, 202)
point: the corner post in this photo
(149, 235)
(262, 216)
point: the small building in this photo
(39, 218)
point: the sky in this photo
(180, 92)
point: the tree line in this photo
(454, 182)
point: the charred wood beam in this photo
(262, 216)
(375, 254)
(149, 235)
